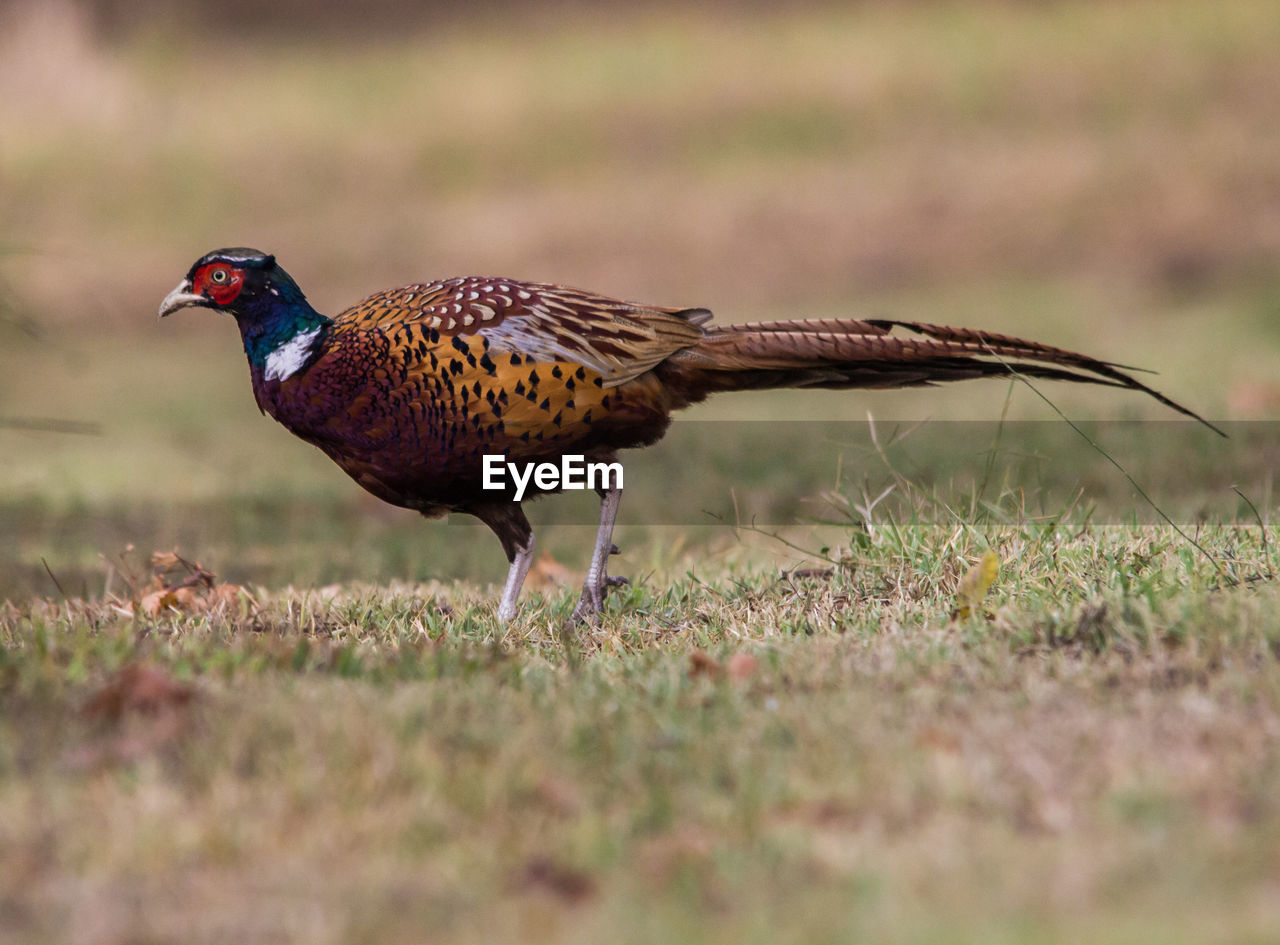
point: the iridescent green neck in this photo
(280, 330)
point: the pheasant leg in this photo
(598, 582)
(515, 580)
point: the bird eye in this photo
(219, 276)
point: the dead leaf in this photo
(166, 560)
(195, 593)
(701, 663)
(157, 602)
(742, 666)
(142, 710)
(137, 687)
(545, 874)
(227, 596)
(548, 572)
(974, 586)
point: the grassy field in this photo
(784, 730)
(731, 756)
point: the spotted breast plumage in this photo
(409, 390)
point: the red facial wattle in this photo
(219, 282)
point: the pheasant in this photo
(409, 390)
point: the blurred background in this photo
(1096, 175)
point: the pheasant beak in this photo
(181, 297)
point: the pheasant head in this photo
(279, 327)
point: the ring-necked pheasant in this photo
(408, 390)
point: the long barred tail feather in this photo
(848, 353)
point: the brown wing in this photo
(544, 323)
